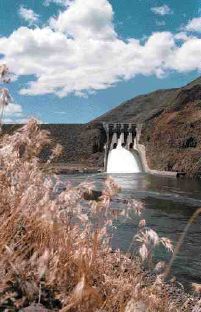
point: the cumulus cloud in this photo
(187, 57)
(89, 20)
(194, 25)
(162, 10)
(28, 15)
(80, 52)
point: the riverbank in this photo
(176, 293)
(177, 297)
(70, 168)
(56, 247)
(165, 297)
(74, 168)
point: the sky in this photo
(73, 60)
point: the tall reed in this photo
(55, 246)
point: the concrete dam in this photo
(121, 155)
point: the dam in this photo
(88, 148)
(121, 155)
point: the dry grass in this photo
(55, 248)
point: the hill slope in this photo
(171, 126)
(140, 108)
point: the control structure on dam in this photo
(119, 133)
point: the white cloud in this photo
(160, 23)
(79, 52)
(13, 113)
(89, 20)
(187, 57)
(60, 113)
(183, 36)
(162, 10)
(194, 25)
(59, 2)
(28, 15)
(15, 121)
(13, 109)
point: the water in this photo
(120, 160)
(169, 203)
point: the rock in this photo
(35, 308)
(93, 195)
(134, 306)
(189, 142)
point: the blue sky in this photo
(84, 57)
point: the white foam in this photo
(121, 160)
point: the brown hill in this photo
(171, 126)
(83, 145)
(140, 108)
(173, 138)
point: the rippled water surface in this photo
(169, 204)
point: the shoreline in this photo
(175, 291)
(71, 168)
(74, 168)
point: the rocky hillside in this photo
(171, 126)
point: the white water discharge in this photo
(121, 160)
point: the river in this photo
(169, 203)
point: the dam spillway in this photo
(121, 155)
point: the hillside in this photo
(171, 126)
(173, 137)
(171, 131)
(140, 108)
(83, 145)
